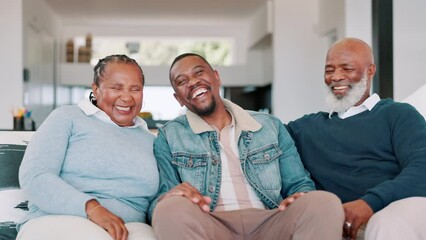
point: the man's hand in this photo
(187, 190)
(357, 213)
(113, 224)
(289, 200)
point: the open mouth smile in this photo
(126, 109)
(198, 92)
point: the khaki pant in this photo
(316, 215)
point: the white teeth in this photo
(198, 92)
(340, 87)
(122, 108)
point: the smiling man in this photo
(227, 173)
(369, 152)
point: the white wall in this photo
(23, 25)
(345, 18)
(40, 28)
(259, 62)
(358, 20)
(261, 23)
(298, 60)
(331, 18)
(409, 49)
(11, 64)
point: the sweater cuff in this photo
(82, 204)
(374, 201)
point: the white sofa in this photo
(418, 100)
(12, 148)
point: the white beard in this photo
(353, 96)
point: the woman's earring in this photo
(92, 98)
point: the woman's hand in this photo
(113, 224)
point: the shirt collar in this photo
(231, 125)
(89, 109)
(243, 120)
(368, 104)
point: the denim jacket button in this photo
(266, 156)
(211, 189)
(190, 163)
(214, 162)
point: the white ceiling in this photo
(153, 10)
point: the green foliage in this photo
(160, 52)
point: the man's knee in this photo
(176, 210)
(326, 203)
(178, 218)
(173, 207)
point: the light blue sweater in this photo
(74, 157)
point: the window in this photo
(152, 51)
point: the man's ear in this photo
(177, 99)
(371, 71)
(216, 74)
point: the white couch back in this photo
(418, 100)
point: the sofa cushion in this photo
(13, 204)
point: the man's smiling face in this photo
(349, 69)
(196, 85)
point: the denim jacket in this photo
(187, 150)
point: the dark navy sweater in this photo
(378, 155)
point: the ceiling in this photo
(153, 10)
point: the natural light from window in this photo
(158, 51)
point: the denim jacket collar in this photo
(244, 122)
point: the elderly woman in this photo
(89, 171)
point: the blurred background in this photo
(269, 53)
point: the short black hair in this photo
(184, 55)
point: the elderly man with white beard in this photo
(370, 152)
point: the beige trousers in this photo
(316, 215)
(64, 227)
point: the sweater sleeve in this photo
(39, 173)
(294, 176)
(293, 130)
(408, 130)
